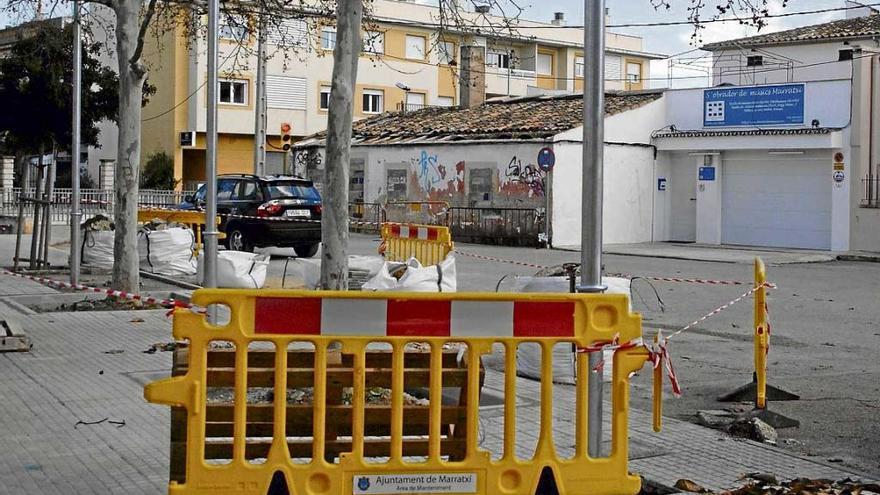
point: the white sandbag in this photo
(301, 273)
(369, 264)
(416, 278)
(167, 252)
(238, 269)
(97, 249)
(528, 355)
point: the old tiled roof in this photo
(857, 27)
(536, 117)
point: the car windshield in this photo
(199, 196)
(298, 190)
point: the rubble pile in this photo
(767, 484)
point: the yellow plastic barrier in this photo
(762, 333)
(330, 320)
(430, 244)
(195, 220)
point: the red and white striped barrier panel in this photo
(425, 233)
(394, 318)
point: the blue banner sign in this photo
(754, 106)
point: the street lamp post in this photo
(75, 212)
(211, 233)
(591, 205)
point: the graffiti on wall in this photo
(434, 180)
(432, 176)
(519, 177)
(306, 162)
(427, 171)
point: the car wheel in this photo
(236, 240)
(306, 250)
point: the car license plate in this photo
(298, 213)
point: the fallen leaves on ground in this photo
(767, 484)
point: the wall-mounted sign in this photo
(707, 173)
(838, 157)
(839, 176)
(546, 159)
(839, 166)
(781, 104)
(661, 183)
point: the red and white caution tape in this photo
(173, 303)
(657, 354)
(621, 275)
(721, 308)
(681, 280)
(499, 260)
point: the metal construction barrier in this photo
(421, 212)
(429, 244)
(195, 219)
(365, 217)
(759, 390)
(303, 454)
(504, 226)
(762, 333)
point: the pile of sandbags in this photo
(238, 269)
(163, 248)
(413, 277)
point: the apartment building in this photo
(404, 47)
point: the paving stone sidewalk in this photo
(75, 373)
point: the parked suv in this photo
(266, 211)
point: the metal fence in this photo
(93, 201)
(365, 217)
(422, 212)
(871, 192)
(504, 226)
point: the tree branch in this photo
(134, 61)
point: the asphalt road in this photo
(825, 341)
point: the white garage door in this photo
(776, 200)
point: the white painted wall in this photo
(441, 172)
(671, 206)
(629, 204)
(826, 101)
(632, 126)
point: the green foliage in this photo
(158, 172)
(36, 91)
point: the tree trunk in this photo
(334, 227)
(126, 175)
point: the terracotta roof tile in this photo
(856, 27)
(514, 118)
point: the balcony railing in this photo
(412, 107)
(514, 73)
(870, 192)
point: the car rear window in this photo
(298, 190)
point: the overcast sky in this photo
(670, 40)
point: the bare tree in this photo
(334, 227)
(747, 12)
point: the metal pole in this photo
(36, 230)
(591, 206)
(260, 107)
(211, 233)
(75, 213)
